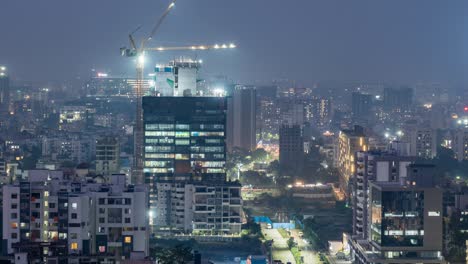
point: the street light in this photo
(239, 166)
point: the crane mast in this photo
(139, 53)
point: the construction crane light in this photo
(141, 59)
(172, 5)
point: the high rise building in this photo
(291, 148)
(322, 112)
(405, 225)
(242, 119)
(361, 106)
(422, 139)
(4, 90)
(268, 116)
(107, 155)
(460, 144)
(378, 167)
(60, 221)
(397, 211)
(349, 142)
(398, 99)
(184, 165)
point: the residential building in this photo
(242, 109)
(51, 218)
(103, 85)
(374, 166)
(322, 112)
(460, 144)
(107, 155)
(349, 142)
(291, 149)
(361, 106)
(4, 90)
(422, 139)
(405, 225)
(398, 99)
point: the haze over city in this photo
(306, 41)
(233, 132)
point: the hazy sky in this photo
(305, 40)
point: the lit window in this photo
(128, 239)
(74, 205)
(74, 246)
(433, 213)
(102, 249)
(46, 194)
(14, 225)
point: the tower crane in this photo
(138, 51)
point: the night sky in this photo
(305, 40)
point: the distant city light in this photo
(101, 74)
(219, 92)
(466, 108)
(3, 68)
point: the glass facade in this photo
(184, 139)
(397, 218)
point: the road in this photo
(334, 260)
(280, 246)
(307, 253)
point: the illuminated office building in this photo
(184, 165)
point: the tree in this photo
(291, 242)
(259, 155)
(177, 255)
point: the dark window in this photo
(127, 220)
(14, 195)
(102, 220)
(14, 215)
(102, 200)
(51, 205)
(14, 206)
(74, 216)
(14, 235)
